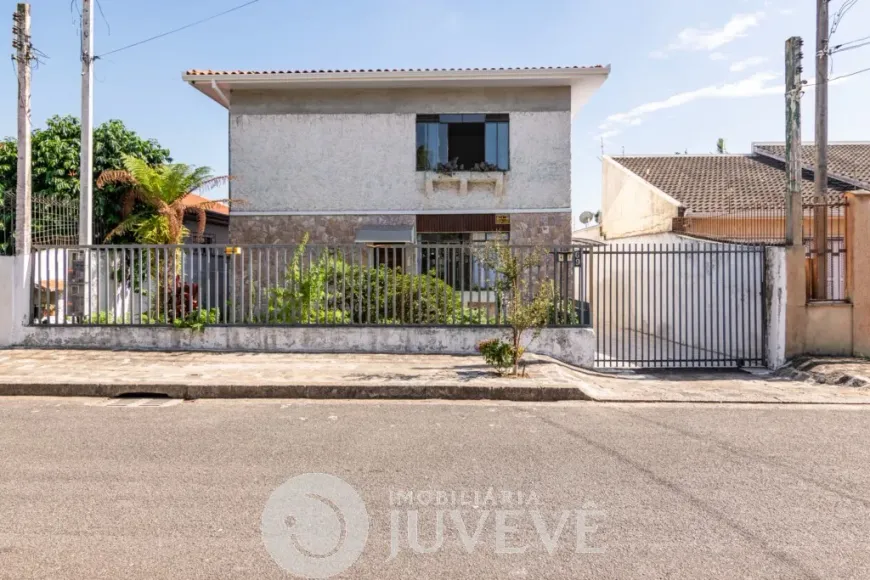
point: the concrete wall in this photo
(8, 320)
(14, 298)
(776, 278)
(630, 206)
(858, 269)
(572, 345)
(346, 151)
(829, 329)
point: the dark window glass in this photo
(503, 154)
(470, 140)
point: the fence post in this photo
(858, 268)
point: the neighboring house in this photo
(586, 234)
(217, 222)
(690, 194)
(398, 156)
(735, 198)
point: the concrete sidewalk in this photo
(195, 375)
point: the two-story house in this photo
(398, 156)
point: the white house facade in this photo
(422, 155)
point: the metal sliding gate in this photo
(676, 305)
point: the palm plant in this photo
(153, 211)
(160, 191)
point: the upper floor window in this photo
(465, 142)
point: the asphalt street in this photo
(650, 491)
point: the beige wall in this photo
(858, 269)
(829, 329)
(632, 206)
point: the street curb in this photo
(300, 391)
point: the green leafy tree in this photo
(525, 308)
(153, 206)
(56, 157)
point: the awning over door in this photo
(385, 235)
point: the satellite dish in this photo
(586, 217)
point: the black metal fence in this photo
(677, 305)
(352, 284)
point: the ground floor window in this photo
(389, 256)
(452, 258)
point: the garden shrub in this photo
(498, 354)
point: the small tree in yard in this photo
(525, 309)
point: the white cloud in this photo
(742, 65)
(786, 11)
(708, 39)
(607, 135)
(717, 56)
(756, 85)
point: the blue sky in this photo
(684, 72)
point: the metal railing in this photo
(677, 305)
(825, 264)
(326, 285)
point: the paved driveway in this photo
(687, 491)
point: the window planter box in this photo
(463, 178)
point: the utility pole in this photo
(793, 88)
(23, 58)
(820, 212)
(86, 166)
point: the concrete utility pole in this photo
(86, 166)
(23, 58)
(820, 213)
(793, 87)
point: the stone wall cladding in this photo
(322, 229)
(546, 229)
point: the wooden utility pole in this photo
(86, 165)
(23, 58)
(820, 212)
(793, 88)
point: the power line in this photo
(838, 17)
(851, 74)
(850, 42)
(100, 8)
(179, 29)
(850, 47)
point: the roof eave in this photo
(212, 84)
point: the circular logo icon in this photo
(315, 525)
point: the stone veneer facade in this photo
(546, 229)
(322, 229)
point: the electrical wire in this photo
(179, 29)
(851, 74)
(838, 16)
(100, 8)
(836, 46)
(850, 47)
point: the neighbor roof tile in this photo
(846, 160)
(715, 183)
